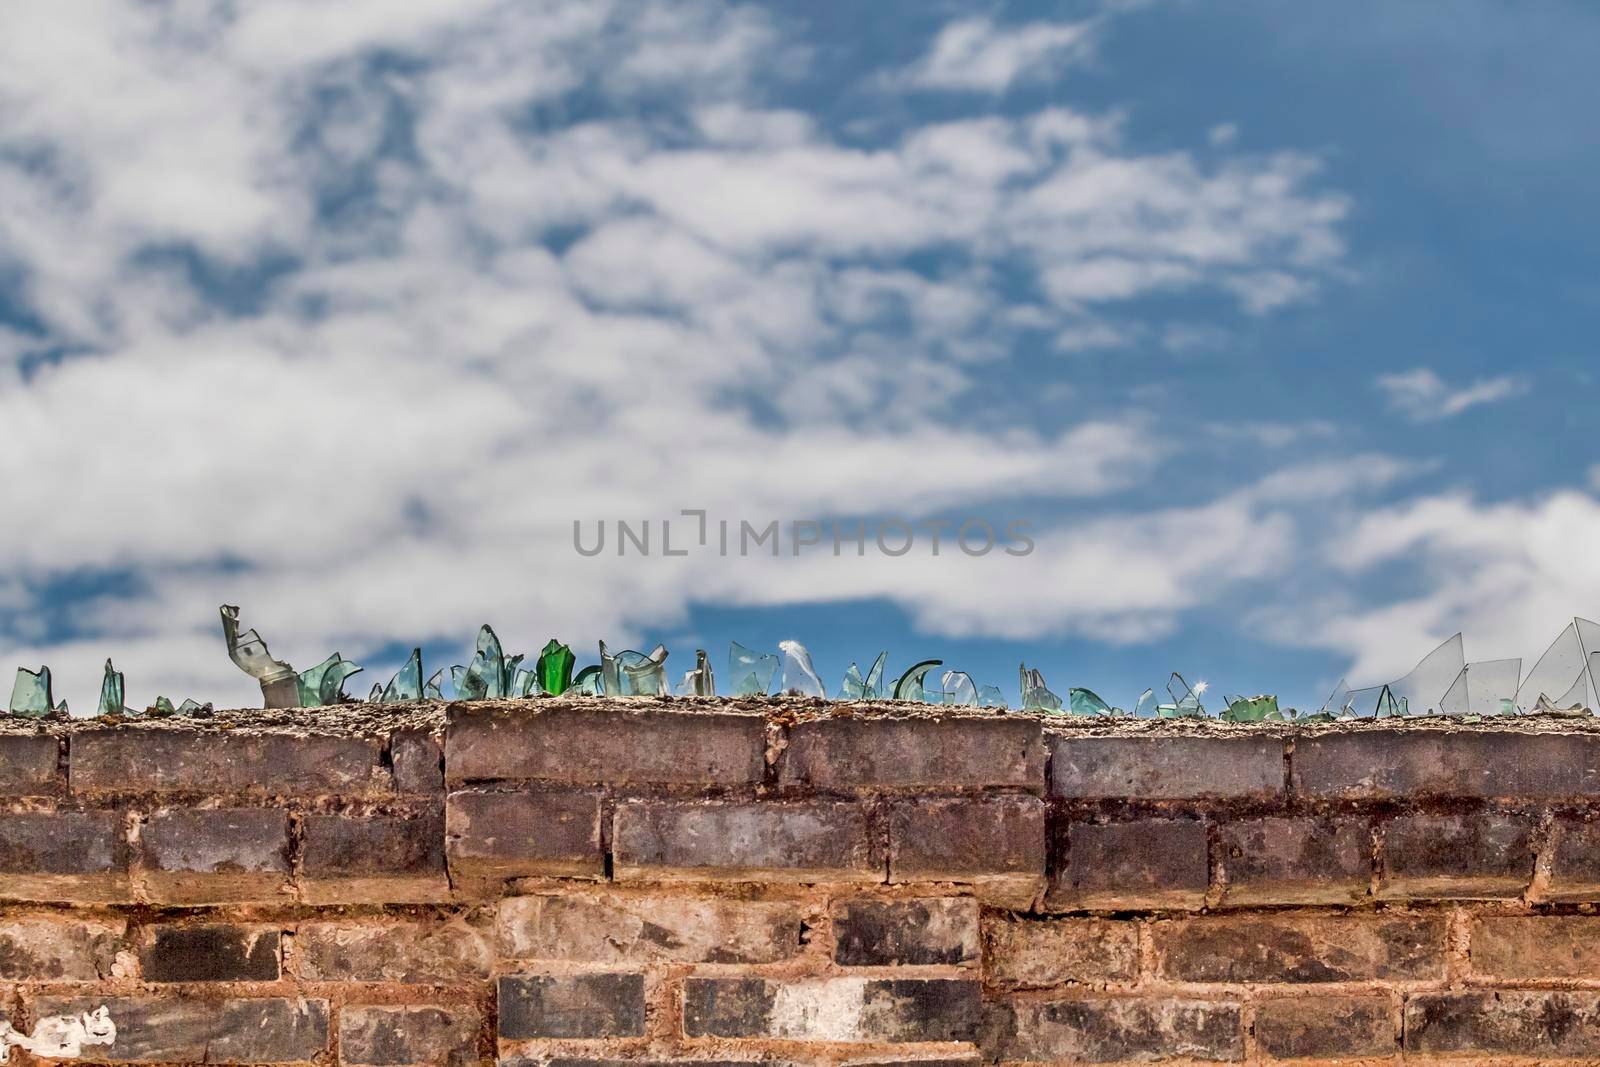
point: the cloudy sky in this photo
(1274, 324)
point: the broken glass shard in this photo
(587, 681)
(700, 682)
(1334, 705)
(854, 687)
(799, 676)
(554, 667)
(874, 683)
(910, 685)
(1185, 700)
(752, 672)
(633, 674)
(524, 683)
(31, 695)
(1562, 674)
(407, 682)
(1252, 709)
(1082, 701)
(163, 707)
(191, 707)
(1036, 696)
(958, 688)
(111, 692)
(990, 696)
(1481, 688)
(1146, 706)
(323, 684)
(434, 689)
(1389, 706)
(1422, 691)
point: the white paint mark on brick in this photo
(819, 1011)
(60, 1036)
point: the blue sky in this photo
(1273, 324)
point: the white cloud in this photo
(1422, 396)
(978, 55)
(483, 312)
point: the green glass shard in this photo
(699, 682)
(989, 696)
(1085, 702)
(1252, 709)
(752, 671)
(587, 681)
(554, 667)
(910, 687)
(323, 685)
(164, 707)
(31, 695)
(406, 683)
(190, 707)
(1036, 696)
(111, 692)
(799, 676)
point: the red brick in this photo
(631, 929)
(1296, 947)
(64, 856)
(1393, 763)
(1155, 767)
(427, 1036)
(1295, 860)
(927, 754)
(1454, 856)
(1326, 1028)
(1533, 947)
(1504, 1022)
(832, 1009)
(215, 855)
(56, 948)
(155, 759)
(455, 950)
(192, 1030)
(492, 836)
(28, 765)
(1146, 863)
(378, 859)
(585, 744)
(1040, 953)
(1085, 1029)
(996, 843)
(773, 841)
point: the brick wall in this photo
(594, 883)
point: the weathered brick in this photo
(455, 950)
(408, 1036)
(1506, 1022)
(57, 948)
(53, 856)
(1299, 947)
(1456, 856)
(1326, 1028)
(28, 765)
(215, 856)
(185, 1030)
(995, 843)
(373, 858)
(1416, 762)
(1575, 861)
(1106, 1030)
(602, 1061)
(1536, 946)
(906, 933)
(494, 836)
(418, 760)
(612, 745)
(798, 841)
(1147, 863)
(156, 759)
(1295, 860)
(574, 1005)
(946, 754)
(211, 952)
(1154, 767)
(1038, 954)
(628, 929)
(832, 1009)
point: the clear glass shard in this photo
(375, 694)
(751, 671)
(554, 667)
(1335, 702)
(1423, 690)
(1036, 696)
(610, 672)
(31, 695)
(990, 696)
(111, 692)
(1589, 638)
(524, 683)
(1185, 700)
(700, 682)
(406, 683)
(639, 675)
(854, 687)
(1490, 683)
(1145, 708)
(910, 686)
(471, 681)
(323, 684)
(1454, 701)
(434, 689)
(1261, 708)
(1082, 701)
(1389, 706)
(191, 707)
(1557, 673)
(874, 682)
(486, 676)
(799, 676)
(587, 682)
(512, 675)
(958, 688)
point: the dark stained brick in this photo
(418, 760)
(910, 933)
(375, 1036)
(1506, 1022)
(28, 765)
(1480, 762)
(52, 856)
(996, 843)
(1299, 947)
(215, 856)
(373, 858)
(947, 754)
(1106, 1030)
(166, 759)
(578, 1005)
(807, 841)
(1280, 860)
(1146, 863)
(1326, 1028)
(1457, 856)
(492, 836)
(192, 1030)
(212, 952)
(1151, 767)
(1575, 861)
